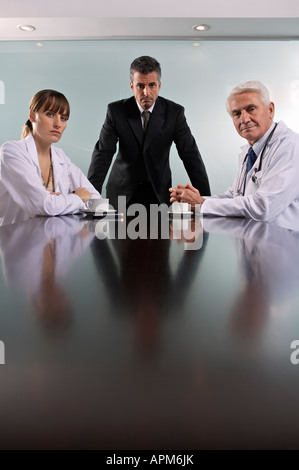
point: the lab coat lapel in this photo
(31, 149)
(58, 166)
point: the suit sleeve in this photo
(103, 152)
(190, 155)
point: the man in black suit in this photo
(141, 171)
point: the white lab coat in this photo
(22, 194)
(275, 195)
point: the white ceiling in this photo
(155, 19)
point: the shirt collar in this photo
(259, 145)
(141, 109)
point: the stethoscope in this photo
(242, 176)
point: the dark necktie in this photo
(146, 117)
(144, 178)
(250, 159)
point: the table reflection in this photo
(36, 256)
(161, 347)
(269, 258)
(139, 279)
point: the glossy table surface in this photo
(119, 343)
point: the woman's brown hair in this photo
(47, 100)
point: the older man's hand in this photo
(186, 194)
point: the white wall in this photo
(93, 73)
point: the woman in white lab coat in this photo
(37, 178)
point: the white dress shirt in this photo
(141, 111)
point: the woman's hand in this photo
(84, 194)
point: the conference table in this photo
(179, 335)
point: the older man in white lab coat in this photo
(266, 187)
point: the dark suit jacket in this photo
(123, 126)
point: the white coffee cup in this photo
(180, 207)
(98, 205)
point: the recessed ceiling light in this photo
(39, 44)
(196, 44)
(201, 27)
(26, 27)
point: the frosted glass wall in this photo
(93, 73)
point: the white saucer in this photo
(180, 213)
(103, 212)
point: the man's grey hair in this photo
(252, 86)
(145, 65)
